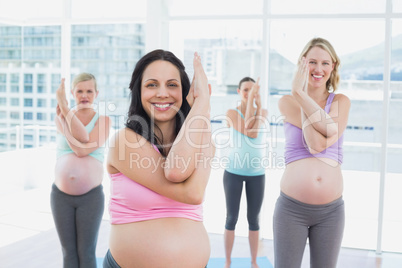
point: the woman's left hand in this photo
(198, 83)
(300, 80)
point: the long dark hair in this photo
(138, 120)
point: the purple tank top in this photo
(296, 147)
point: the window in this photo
(3, 101)
(41, 89)
(41, 103)
(28, 78)
(14, 115)
(15, 89)
(3, 115)
(41, 116)
(28, 116)
(28, 102)
(393, 179)
(15, 78)
(330, 7)
(15, 102)
(28, 137)
(28, 89)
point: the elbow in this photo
(195, 198)
(332, 131)
(316, 148)
(84, 139)
(175, 175)
(253, 134)
(80, 153)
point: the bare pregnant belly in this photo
(312, 181)
(165, 242)
(77, 175)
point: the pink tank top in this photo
(132, 202)
(296, 147)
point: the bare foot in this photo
(254, 265)
(227, 265)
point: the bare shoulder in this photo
(128, 137)
(123, 143)
(343, 102)
(287, 104)
(104, 119)
(342, 98)
(231, 113)
(232, 116)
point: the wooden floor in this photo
(43, 250)
(28, 239)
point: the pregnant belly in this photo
(166, 242)
(77, 175)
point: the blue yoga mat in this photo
(263, 262)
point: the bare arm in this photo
(127, 156)
(318, 118)
(97, 137)
(189, 141)
(339, 112)
(74, 125)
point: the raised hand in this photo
(201, 89)
(300, 80)
(255, 92)
(197, 87)
(61, 96)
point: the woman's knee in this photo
(231, 222)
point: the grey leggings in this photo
(77, 219)
(233, 185)
(294, 221)
(109, 261)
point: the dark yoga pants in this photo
(233, 185)
(295, 221)
(77, 219)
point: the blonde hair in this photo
(82, 77)
(333, 81)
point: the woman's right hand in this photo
(61, 96)
(254, 93)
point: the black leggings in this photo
(77, 219)
(233, 185)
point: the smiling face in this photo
(161, 91)
(245, 89)
(320, 67)
(85, 93)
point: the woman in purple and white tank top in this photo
(310, 204)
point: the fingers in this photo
(200, 78)
(62, 87)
